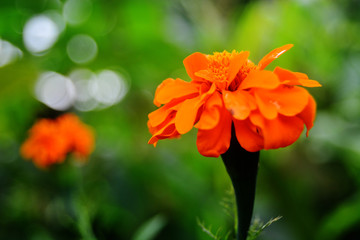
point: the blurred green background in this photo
(103, 60)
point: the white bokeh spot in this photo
(8, 53)
(55, 91)
(40, 33)
(82, 48)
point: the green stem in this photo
(242, 167)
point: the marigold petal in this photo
(153, 140)
(205, 74)
(286, 75)
(279, 132)
(159, 115)
(209, 118)
(210, 115)
(185, 117)
(260, 79)
(208, 92)
(282, 132)
(168, 120)
(266, 107)
(291, 101)
(168, 131)
(247, 136)
(308, 114)
(212, 143)
(239, 103)
(288, 101)
(271, 56)
(236, 63)
(171, 89)
(194, 63)
(300, 75)
(165, 130)
(309, 83)
(295, 78)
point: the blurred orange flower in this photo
(51, 140)
(267, 108)
(80, 136)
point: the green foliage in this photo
(228, 204)
(255, 230)
(84, 220)
(257, 227)
(218, 235)
(150, 228)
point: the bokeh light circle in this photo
(8, 53)
(77, 11)
(40, 33)
(82, 48)
(108, 88)
(55, 90)
(98, 91)
(81, 78)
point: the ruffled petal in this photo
(288, 101)
(165, 130)
(239, 103)
(260, 79)
(291, 101)
(171, 89)
(212, 143)
(247, 136)
(309, 83)
(194, 63)
(267, 108)
(159, 115)
(271, 56)
(205, 74)
(210, 115)
(236, 63)
(295, 78)
(170, 119)
(185, 117)
(308, 114)
(207, 92)
(279, 132)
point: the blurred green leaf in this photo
(149, 229)
(83, 221)
(343, 218)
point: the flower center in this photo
(241, 75)
(219, 65)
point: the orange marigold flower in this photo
(267, 108)
(45, 145)
(51, 140)
(79, 135)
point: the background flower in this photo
(46, 145)
(79, 135)
(51, 140)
